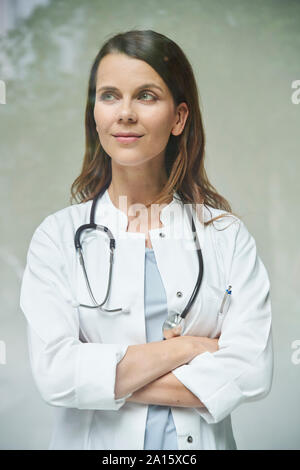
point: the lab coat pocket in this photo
(204, 315)
(224, 300)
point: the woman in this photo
(115, 380)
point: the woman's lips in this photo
(127, 140)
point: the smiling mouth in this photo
(127, 139)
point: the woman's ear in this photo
(182, 114)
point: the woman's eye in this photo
(149, 94)
(104, 95)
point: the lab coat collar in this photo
(107, 213)
(172, 217)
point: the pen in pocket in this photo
(225, 298)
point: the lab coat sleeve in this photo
(242, 369)
(66, 371)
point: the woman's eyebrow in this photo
(146, 85)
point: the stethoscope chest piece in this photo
(173, 325)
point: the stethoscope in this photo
(174, 323)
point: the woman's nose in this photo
(126, 110)
(125, 115)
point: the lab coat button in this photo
(179, 294)
(162, 234)
(190, 439)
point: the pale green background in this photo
(245, 57)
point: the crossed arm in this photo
(166, 389)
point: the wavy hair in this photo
(184, 154)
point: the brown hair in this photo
(184, 154)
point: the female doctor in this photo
(148, 307)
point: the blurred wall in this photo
(245, 57)
(14, 11)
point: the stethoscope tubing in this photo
(93, 226)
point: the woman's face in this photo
(131, 104)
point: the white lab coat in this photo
(74, 351)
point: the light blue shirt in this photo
(160, 433)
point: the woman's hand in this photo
(200, 344)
